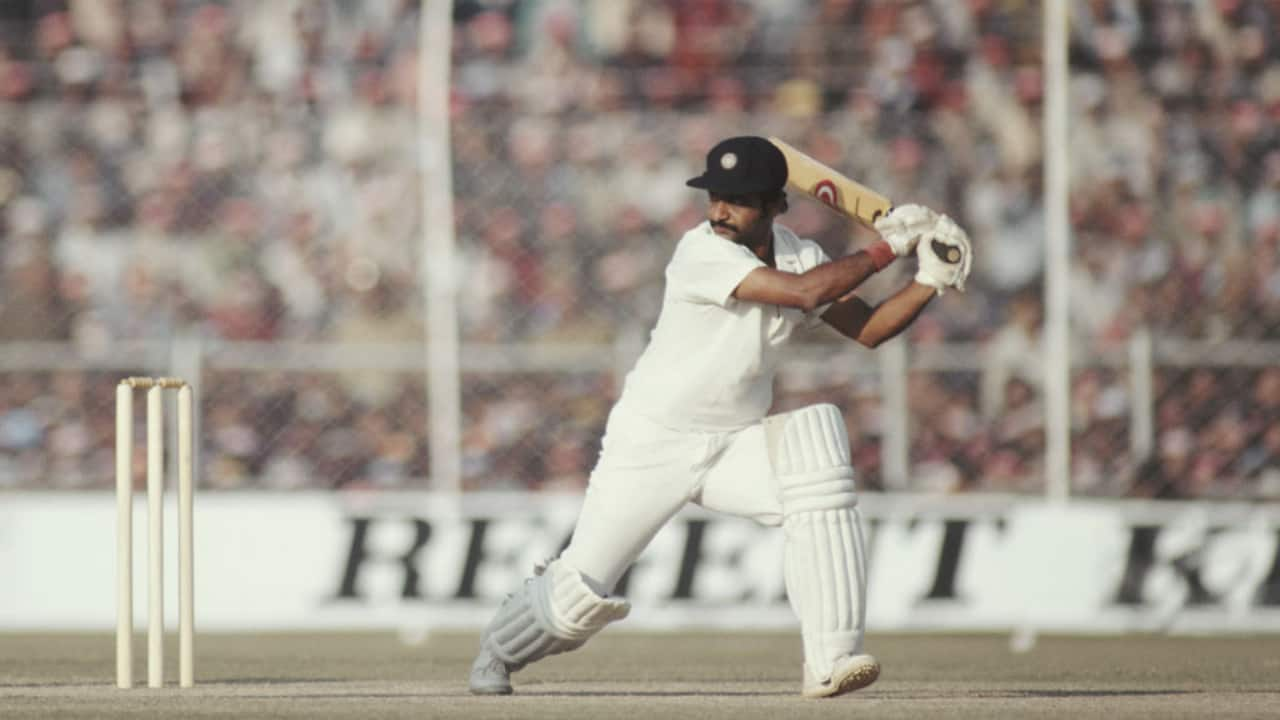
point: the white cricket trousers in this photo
(645, 475)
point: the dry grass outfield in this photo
(632, 675)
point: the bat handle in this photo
(946, 252)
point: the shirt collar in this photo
(784, 249)
(785, 246)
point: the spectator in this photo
(249, 172)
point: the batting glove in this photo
(903, 225)
(936, 250)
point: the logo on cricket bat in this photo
(826, 192)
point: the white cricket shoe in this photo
(849, 673)
(489, 675)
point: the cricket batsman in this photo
(691, 423)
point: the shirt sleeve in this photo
(708, 269)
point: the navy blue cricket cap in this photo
(743, 165)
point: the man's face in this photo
(744, 219)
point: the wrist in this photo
(882, 254)
(924, 278)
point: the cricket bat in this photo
(806, 175)
(840, 193)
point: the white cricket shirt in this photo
(711, 358)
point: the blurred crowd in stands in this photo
(248, 171)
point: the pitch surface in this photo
(621, 674)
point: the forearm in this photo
(831, 281)
(895, 314)
(817, 286)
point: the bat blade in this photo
(834, 189)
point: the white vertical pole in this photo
(124, 536)
(895, 448)
(186, 555)
(438, 262)
(155, 537)
(1141, 412)
(1057, 256)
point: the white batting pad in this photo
(809, 449)
(825, 565)
(553, 612)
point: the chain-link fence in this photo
(234, 172)
(1176, 213)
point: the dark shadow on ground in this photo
(1038, 693)
(652, 693)
(273, 681)
(869, 693)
